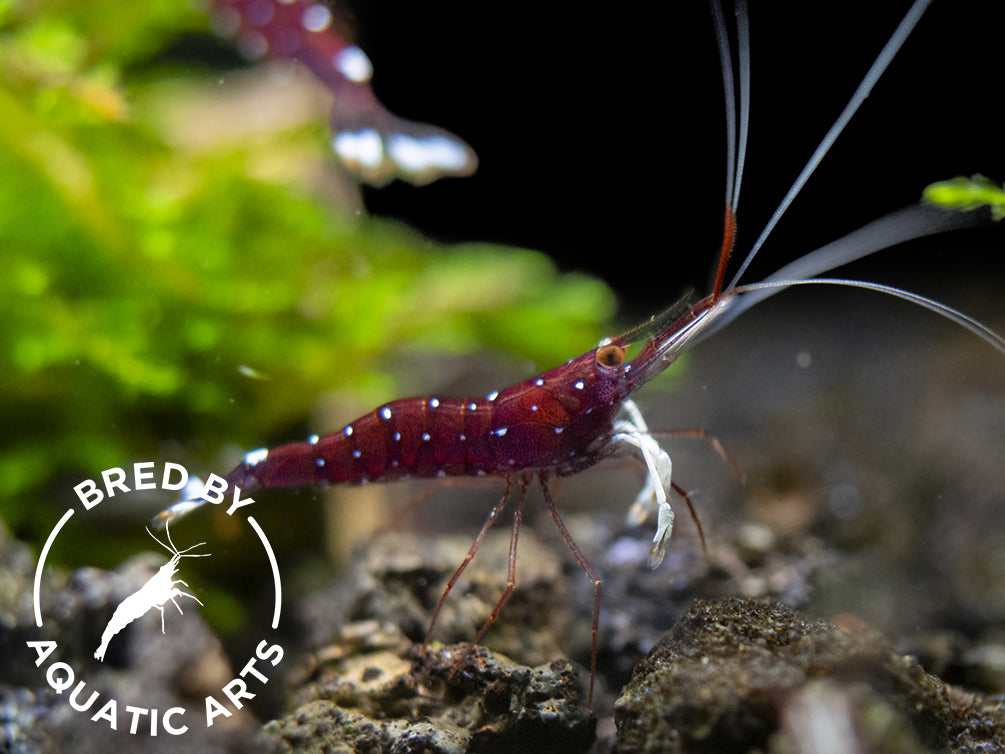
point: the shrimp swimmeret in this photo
(154, 593)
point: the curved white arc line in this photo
(275, 569)
(36, 588)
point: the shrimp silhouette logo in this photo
(129, 642)
(155, 593)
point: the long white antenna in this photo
(915, 221)
(743, 59)
(728, 90)
(736, 122)
(878, 67)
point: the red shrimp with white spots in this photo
(580, 413)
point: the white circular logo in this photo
(166, 591)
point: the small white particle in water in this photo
(434, 402)
(385, 412)
(255, 457)
(313, 439)
(353, 63)
(493, 395)
(316, 18)
(804, 359)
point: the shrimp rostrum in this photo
(580, 413)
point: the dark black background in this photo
(601, 133)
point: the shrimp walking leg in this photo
(590, 572)
(493, 515)
(510, 563)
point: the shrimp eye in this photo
(610, 355)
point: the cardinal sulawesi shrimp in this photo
(578, 414)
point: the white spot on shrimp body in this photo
(426, 437)
(472, 406)
(313, 439)
(225, 22)
(539, 382)
(252, 45)
(434, 402)
(353, 63)
(320, 462)
(316, 18)
(579, 385)
(385, 412)
(493, 395)
(347, 431)
(418, 155)
(397, 436)
(363, 147)
(501, 432)
(356, 454)
(255, 457)
(533, 407)
(558, 430)
(462, 437)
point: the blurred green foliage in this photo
(156, 295)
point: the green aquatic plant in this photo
(161, 295)
(968, 194)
